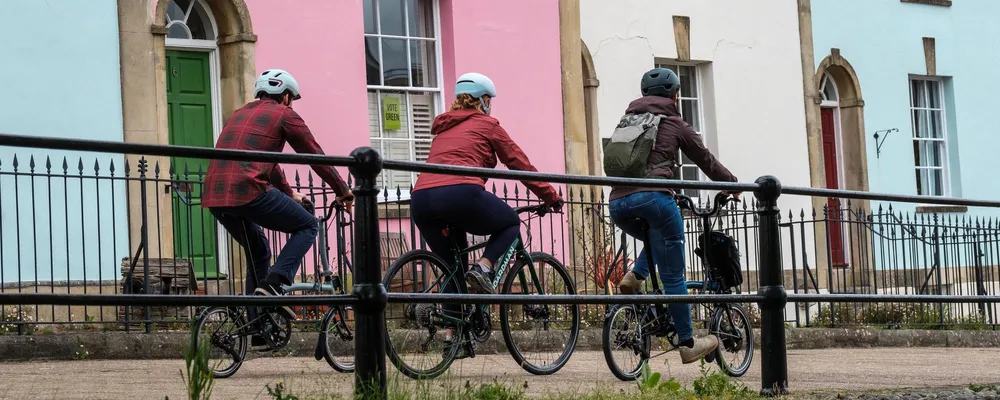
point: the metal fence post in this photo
(369, 344)
(143, 168)
(774, 360)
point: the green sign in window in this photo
(390, 113)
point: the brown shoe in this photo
(703, 346)
(629, 284)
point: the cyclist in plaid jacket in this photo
(246, 196)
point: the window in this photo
(189, 20)
(404, 92)
(690, 108)
(929, 136)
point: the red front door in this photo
(832, 168)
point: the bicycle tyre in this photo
(335, 318)
(241, 342)
(606, 345)
(746, 345)
(505, 323)
(401, 365)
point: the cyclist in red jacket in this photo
(468, 136)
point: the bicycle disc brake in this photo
(536, 311)
(341, 329)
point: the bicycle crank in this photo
(483, 328)
(276, 330)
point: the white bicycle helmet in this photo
(476, 85)
(277, 81)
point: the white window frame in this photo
(437, 91)
(700, 101)
(945, 162)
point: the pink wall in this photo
(515, 43)
(321, 44)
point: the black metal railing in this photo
(369, 298)
(79, 230)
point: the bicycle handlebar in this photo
(329, 210)
(718, 203)
(539, 209)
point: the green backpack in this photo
(627, 152)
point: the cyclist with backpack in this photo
(645, 145)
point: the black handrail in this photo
(370, 298)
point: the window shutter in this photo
(422, 108)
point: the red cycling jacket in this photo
(472, 139)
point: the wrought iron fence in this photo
(74, 226)
(369, 296)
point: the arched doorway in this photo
(844, 165)
(193, 119)
(182, 76)
(833, 166)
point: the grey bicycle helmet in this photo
(277, 81)
(476, 85)
(660, 82)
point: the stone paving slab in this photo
(828, 370)
(171, 345)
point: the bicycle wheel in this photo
(557, 325)
(623, 337)
(417, 334)
(735, 352)
(222, 326)
(337, 338)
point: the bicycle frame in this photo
(708, 284)
(326, 282)
(517, 251)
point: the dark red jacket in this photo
(473, 139)
(673, 134)
(263, 125)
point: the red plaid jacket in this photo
(263, 125)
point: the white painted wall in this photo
(750, 71)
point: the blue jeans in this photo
(666, 239)
(275, 211)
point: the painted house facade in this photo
(727, 64)
(373, 73)
(901, 105)
(927, 99)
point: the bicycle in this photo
(424, 272)
(274, 327)
(631, 327)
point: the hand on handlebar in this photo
(556, 206)
(347, 200)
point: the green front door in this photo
(189, 121)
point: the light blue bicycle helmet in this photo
(277, 81)
(476, 85)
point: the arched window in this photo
(828, 89)
(190, 20)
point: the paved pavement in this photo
(809, 370)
